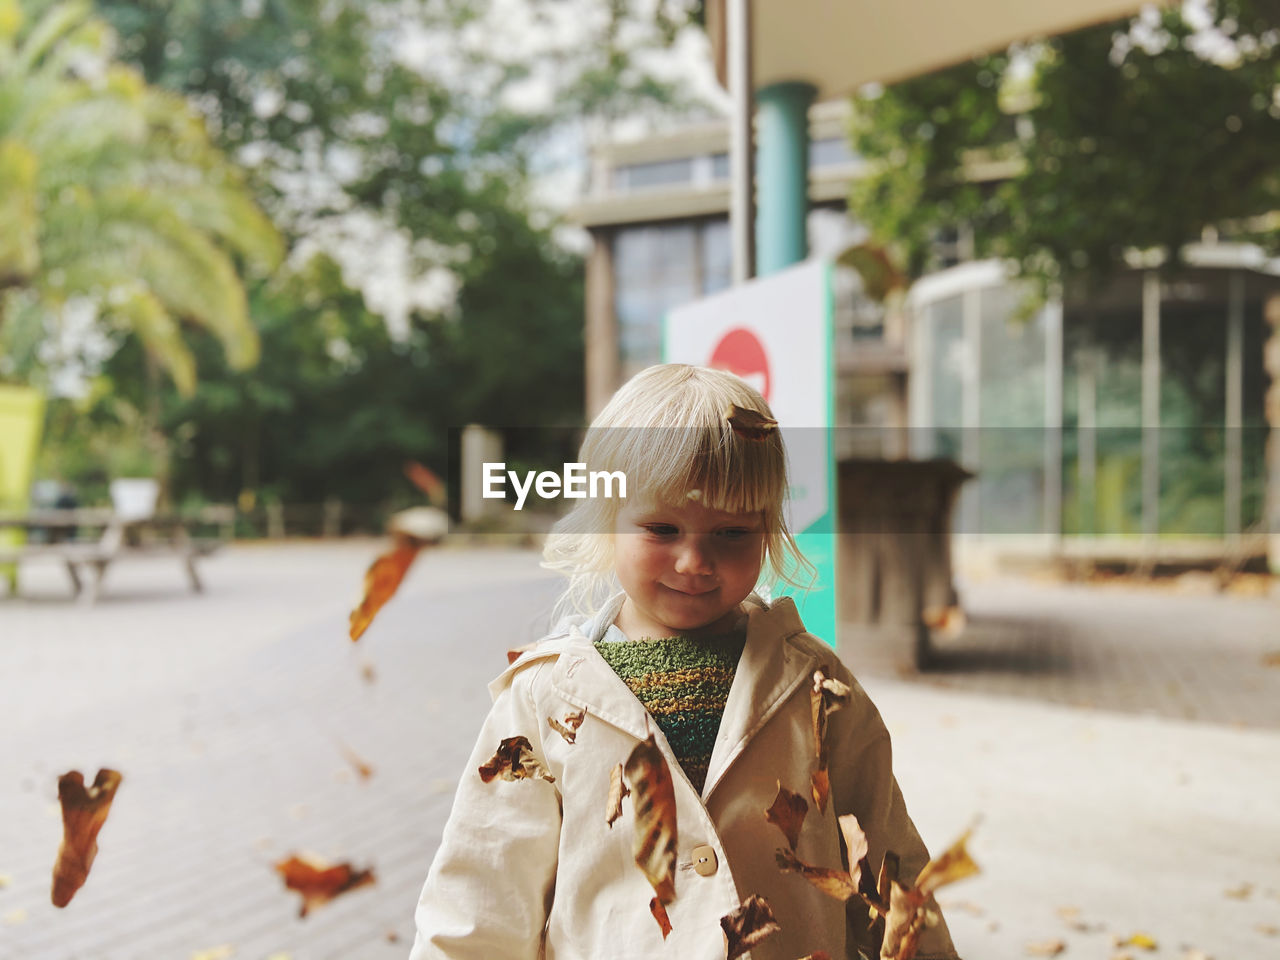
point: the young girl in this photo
(666, 639)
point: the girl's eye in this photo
(660, 529)
(735, 533)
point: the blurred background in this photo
(256, 256)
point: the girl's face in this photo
(685, 568)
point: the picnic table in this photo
(88, 540)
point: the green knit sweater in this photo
(684, 685)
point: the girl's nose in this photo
(692, 558)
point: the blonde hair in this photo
(667, 431)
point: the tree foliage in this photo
(111, 193)
(1065, 154)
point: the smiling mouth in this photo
(691, 593)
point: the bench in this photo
(88, 557)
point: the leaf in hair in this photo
(750, 424)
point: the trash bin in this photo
(895, 553)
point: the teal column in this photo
(782, 175)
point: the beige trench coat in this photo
(530, 868)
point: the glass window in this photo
(719, 166)
(655, 269)
(717, 256)
(830, 152)
(638, 176)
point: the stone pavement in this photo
(229, 714)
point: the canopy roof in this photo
(839, 45)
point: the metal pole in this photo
(1233, 459)
(742, 212)
(1150, 405)
(1053, 420)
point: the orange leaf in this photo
(654, 800)
(787, 814)
(425, 480)
(381, 581)
(820, 786)
(515, 760)
(660, 914)
(834, 883)
(751, 923)
(319, 881)
(951, 865)
(568, 729)
(1046, 948)
(617, 790)
(84, 811)
(749, 424)
(358, 764)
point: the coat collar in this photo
(771, 669)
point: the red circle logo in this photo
(740, 352)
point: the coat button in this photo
(704, 860)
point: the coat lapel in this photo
(770, 671)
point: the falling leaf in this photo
(654, 802)
(876, 269)
(359, 765)
(319, 881)
(569, 728)
(84, 811)
(1271, 659)
(825, 698)
(381, 581)
(1046, 948)
(425, 480)
(367, 673)
(5, 880)
(787, 814)
(515, 760)
(1141, 940)
(1268, 929)
(392, 937)
(834, 883)
(660, 914)
(514, 653)
(617, 790)
(750, 424)
(1069, 913)
(951, 865)
(215, 953)
(1241, 892)
(751, 923)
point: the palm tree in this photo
(111, 192)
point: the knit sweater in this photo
(684, 685)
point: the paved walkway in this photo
(228, 714)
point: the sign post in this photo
(776, 333)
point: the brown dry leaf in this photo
(820, 787)
(358, 764)
(84, 811)
(569, 728)
(367, 673)
(425, 480)
(514, 653)
(660, 914)
(751, 923)
(749, 424)
(1241, 892)
(654, 802)
(1069, 914)
(514, 760)
(834, 883)
(381, 581)
(319, 881)
(617, 790)
(1271, 659)
(1143, 941)
(826, 696)
(1046, 948)
(787, 814)
(1268, 929)
(951, 865)
(855, 844)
